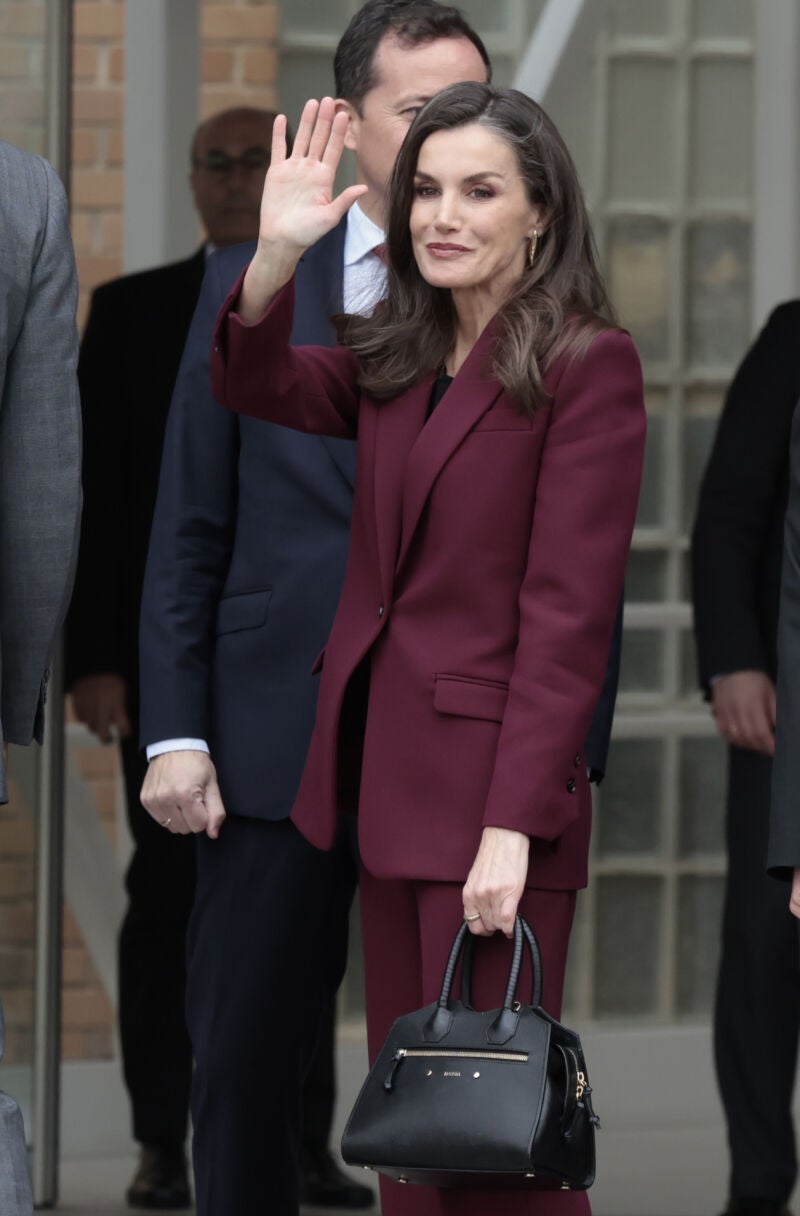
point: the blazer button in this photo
(571, 786)
(380, 610)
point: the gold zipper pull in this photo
(581, 1087)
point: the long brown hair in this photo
(559, 302)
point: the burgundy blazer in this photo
(487, 554)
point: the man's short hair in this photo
(411, 22)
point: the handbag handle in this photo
(468, 959)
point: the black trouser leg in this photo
(156, 1053)
(267, 949)
(757, 1013)
(318, 1097)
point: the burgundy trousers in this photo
(408, 930)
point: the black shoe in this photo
(756, 1207)
(161, 1182)
(324, 1185)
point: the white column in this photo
(776, 228)
(162, 49)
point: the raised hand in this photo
(298, 206)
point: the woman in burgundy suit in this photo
(500, 429)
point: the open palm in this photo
(298, 206)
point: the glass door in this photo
(34, 115)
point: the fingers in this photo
(344, 201)
(322, 129)
(331, 154)
(744, 708)
(215, 811)
(278, 153)
(794, 900)
(305, 129)
(175, 789)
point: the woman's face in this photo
(471, 219)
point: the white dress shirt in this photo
(363, 285)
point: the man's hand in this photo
(794, 899)
(181, 793)
(100, 702)
(743, 704)
(496, 881)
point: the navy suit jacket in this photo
(246, 561)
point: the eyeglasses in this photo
(216, 161)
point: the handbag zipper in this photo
(402, 1053)
(584, 1090)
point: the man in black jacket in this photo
(129, 361)
(736, 566)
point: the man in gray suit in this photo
(39, 489)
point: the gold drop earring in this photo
(532, 247)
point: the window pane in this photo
(699, 917)
(638, 282)
(499, 17)
(719, 298)
(722, 112)
(628, 18)
(651, 498)
(642, 130)
(689, 684)
(626, 946)
(702, 796)
(646, 577)
(629, 821)
(642, 665)
(723, 18)
(309, 17)
(698, 437)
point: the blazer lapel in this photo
(470, 395)
(397, 426)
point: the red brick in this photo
(116, 65)
(260, 66)
(82, 228)
(85, 61)
(96, 269)
(23, 18)
(84, 147)
(77, 969)
(97, 105)
(115, 146)
(99, 761)
(233, 23)
(98, 21)
(84, 1007)
(217, 65)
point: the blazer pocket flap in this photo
(246, 611)
(469, 698)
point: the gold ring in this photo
(166, 822)
(476, 916)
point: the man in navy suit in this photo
(246, 561)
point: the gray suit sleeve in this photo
(784, 839)
(39, 470)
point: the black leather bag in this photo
(459, 1097)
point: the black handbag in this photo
(459, 1097)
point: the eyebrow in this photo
(473, 177)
